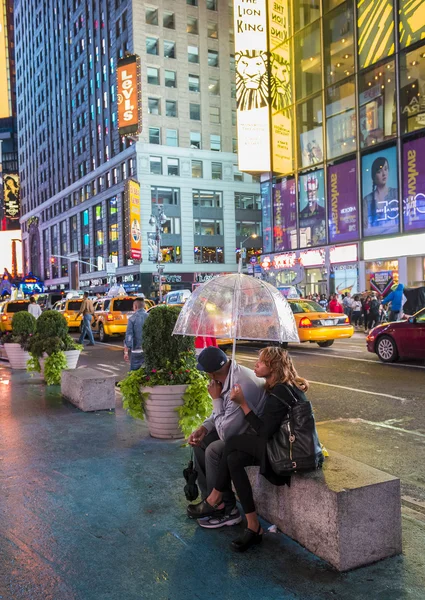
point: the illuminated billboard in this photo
(129, 96)
(5, 101)
(375, 22)
(133, 223)
(11, 195)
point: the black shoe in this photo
(91, 344)
(248, 539)
(203, 509)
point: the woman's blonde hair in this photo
(282, 368)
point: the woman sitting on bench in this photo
(275, 365)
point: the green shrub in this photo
(23, 323)
(52, 324)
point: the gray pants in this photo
(207, 462)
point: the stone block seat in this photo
(89, 389)
(348, 513)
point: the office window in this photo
(214, 87)
(192, 2)
(206, 199)
(154, 135)
(172, 226)
(194, 85)
(216, 170)
(234, 117)
(165, 195)
(215, 142)
(212, 58)
(170, 108)
(172, 137)
(208, 227)
(193, 54)
(169, 49)
(215, 114)
(173, 167)
(153, 75)
(192, 25)
(212, 4)
(209, 254)
(234, 145)
(248, 228)
(247, 201)
(197, 168)
(152, 46)
(154, 107)
(195, 139)
(195, 112)
(170, 79)
(213, 30)
(151, 16)
(237, 175)
(168, 20)
(155, 163)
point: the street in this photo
(370, 411)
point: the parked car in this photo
(111, 316)
(316, 325)
(177, 297)
(400, 339)
(70, 309)
(9, 308)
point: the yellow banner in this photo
(133, 195)
(5, 104)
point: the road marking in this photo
(367, 360)
(109, 367)
(374, 424)
(343, 387)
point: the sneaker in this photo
(215, 522)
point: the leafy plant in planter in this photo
(23, 328)
(169, 361)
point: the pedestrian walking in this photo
(87, 310)
(334, 305)
(366, 310)
(133, 343)
(323, 302)
(347, 304)
(356, 315)
(373, 320)
(33, 308)
(396, 299)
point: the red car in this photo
(402, 339)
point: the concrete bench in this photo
(348, 513)
(89, 389)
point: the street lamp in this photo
(158, 221)
(243, 250)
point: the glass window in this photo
(194, 83)
(330, 4)
(237, 175)
(209, 254)
(195, 112)
(151, 16)
(172, 137)
(213, 30)
(168, 20)
(154, 107)
(339, 43)
(308, 75)
(341, 127)
(153, 75)
(172, 226)
(207, 199)
(170, 79)
(212, 58)
(155, 165)
(195, 139)
(412, 92)
(169, 49)
(171, 254)
(193, 54)
(310, 119)
(170, 108)
(173, 167)
(197, 168)
(215, 142)
(154, 135)
(152, 45)
(412, 22)
(215, 114)
(247, 201)
(214, 87)
(377, 105)
(375, 23)
(208, 227)
(192, 25)
(192, 2)
(212, 4)
(305, 12)
(165, 195)
(248, 228)
(216, 170)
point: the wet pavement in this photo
(91, 508)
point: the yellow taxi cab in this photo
(111, 316)
(315, 325)
(149, 303)
(70, 308)
(8, 309)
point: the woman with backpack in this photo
(284, 389)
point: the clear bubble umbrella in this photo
(237, 307)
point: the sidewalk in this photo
(91, 508)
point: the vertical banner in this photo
(266, 207)
(285, 215)
(312, 209)
(280, 86)
(11, 195)
(5, 100)
(129, 95)
(153, 248)
(252, 85)
(342, 202)
(414, 185)
(133, 227)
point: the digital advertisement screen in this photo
(414, 184)
(285, 215)
(312, 213)
(342, 202)
(381, 213)
(266, 207)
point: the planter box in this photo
(72, 357)
(160, 408)
(18, 358)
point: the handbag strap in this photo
(290, 406)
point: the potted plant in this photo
(168, 390)
(52, 349)
(16, 343)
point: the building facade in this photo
(344, 197)
(74, 165)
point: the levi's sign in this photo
(128, 96)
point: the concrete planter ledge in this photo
(89, 389)
(348, 513)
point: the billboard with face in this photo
(312, 212)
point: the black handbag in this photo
(295, 447)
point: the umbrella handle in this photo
(232, 368)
